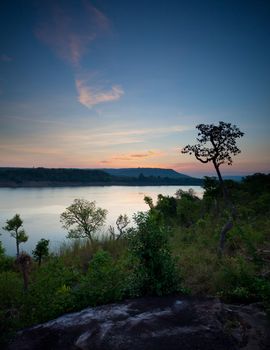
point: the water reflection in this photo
(40, 208)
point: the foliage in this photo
(211, 187)
(103, 282)
(56, 177)
(41, 250)
(216, 143)
(166, 205)
(50, 285)
(14, 227)
(11, 292)
(188, 207)
(149, 201)
(121, 223)
(154, 268)
(238, 282)
(82, 218)
(165, 248)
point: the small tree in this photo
(217, 144)
(41, 250)
(82, 219)
(149, 201)
(121, 223)
(14, 227)
(154, 268)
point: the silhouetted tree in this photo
(41, 250)
(82, 219)
(217, 144)
(149, 201)
(14, 227)
(121, 223)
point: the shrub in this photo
(154, 268)
(103, 283)
(10, 303)
(46, 288)
(166, 206)
(236, 280)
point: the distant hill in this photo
(156, 172)
(45, 177)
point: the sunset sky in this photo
(123, 83)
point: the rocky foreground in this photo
(153, 323)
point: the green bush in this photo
(104, 281)
(166, 206)
(154, 269)
(11, 300)
(47, 287)
(236, 280)
(6, 263)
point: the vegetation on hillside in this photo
(171, 248)
(20, 177)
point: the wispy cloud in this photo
(5, 58)
(90, 96)
(134, 156)
(101, 137)
(148, 131)
(69, 33)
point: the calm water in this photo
(40, 208)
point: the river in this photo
(40, 208)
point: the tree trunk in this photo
(17, 246)
(229, 224)
(226, 228)
(224, 190)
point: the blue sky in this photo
(124, 83)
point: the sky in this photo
(119, 83)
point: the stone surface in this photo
(165, 323)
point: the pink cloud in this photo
(89, 96)
(70, 33)
(134, 156)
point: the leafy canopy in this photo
(41, 250)
(216, 143)
(82, 219)
(14, 227)
(154, 268)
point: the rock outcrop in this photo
(167, 323)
